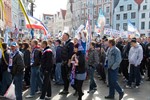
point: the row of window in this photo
(125, 26)
(130, 7)
(133, 16)
(125, 16)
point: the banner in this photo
(112, 32)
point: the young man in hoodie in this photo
(135, 59)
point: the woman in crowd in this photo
(78, 71)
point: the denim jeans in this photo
(134, 75)
(6, 81)
(58, 76)
(91, 71)
(113, 82)
(35, 81)
(18, 82)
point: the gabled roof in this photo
(63, 12)
(138, 1)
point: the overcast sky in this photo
(48, 6)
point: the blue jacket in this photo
(114, 58)
(58, 54)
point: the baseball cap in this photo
(13, 44)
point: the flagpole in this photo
(24, 12)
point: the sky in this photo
(48, 7)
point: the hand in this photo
(8, 70)
(69, 62)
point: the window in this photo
(149, 15)
(133, 15)
(149, 24)
(107, 21)
(144, 7)
(143, 15)
(82, 12)
(129, 7)
(107, 10)
(142, 25)
(121, 8)
(99, 1)
(125, 16)
(22, 22)
(125, 26)
(118, 17)
(117, 26)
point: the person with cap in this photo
(66, 54)
(113, 62)
(16, 65)
(78, 70)
(135, 58)
(58, 76)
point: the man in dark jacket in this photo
(66, 55)
(46, 65)
(148, 58)
(35, 69)
(6, 76)
(16, 64)
(58, 76)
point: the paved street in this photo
(143, 93)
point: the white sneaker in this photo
(48, 97)
(29, 96)
(38, 92)
(128, 87)
(136, 87)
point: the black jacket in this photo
(46, 60)
(18, 64)
(37, 57)
(67, 50)
(80, 69)
(4, 63)
(148, 50)
(26, 57)
(58, 54)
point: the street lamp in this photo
(32, 6)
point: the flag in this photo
(131, 27)
(101, 19)
(36, 24)
(6, 37)
(24, 11)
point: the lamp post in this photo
(32, 6)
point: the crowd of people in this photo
(36, 63)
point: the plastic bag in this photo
(10, 93)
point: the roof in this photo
(63, 13)
(44, 15)
(138, 1)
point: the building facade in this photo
(68, 18)
(59, 21)
(15, 12)
(22, 24)
(144, 17)
(1, 21)
(8, 8)
(124, 11)
(48, 21)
